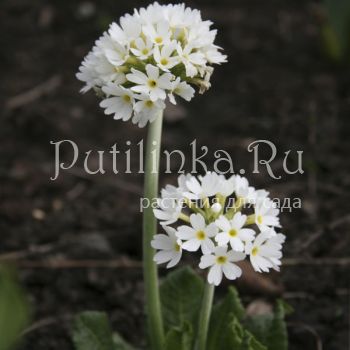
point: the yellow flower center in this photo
(255, 251)
(145, 51)
(259, 219)
(152, 83)
(177, 247)
(159, 40)
(149, 104)
(127, 98)
(232, 233)
(221, 260)
(132, 44)
(200, 235)
(182, 35)
(164, 61)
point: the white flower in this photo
(171, 202)
(143, 49)
(163, 56)
(96, 70)
(153, 83)
(261, 194)
(265, 252)
(207, 186)
(172, 37)
(199, 235)
(233, 232)
(169, 210)
(176, 192)
(224, 233)
(146, 110)
(226, 187)
(213, 55)
(121, 104)
(159, 34)
(115, 53)
(152, 14)
(266, 214)
(222, 262)
(243, 190)
(169, 246)
(182, 89)
(190, 59)
(128, 31)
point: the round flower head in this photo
(224, 220)
(155, 54)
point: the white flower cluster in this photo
(226, 219)
(153, 54)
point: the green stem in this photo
(150, 272)
(204, 316)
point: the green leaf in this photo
(260, 326)
(14, 309)
(250, 343)
(278, 336)
(92, 332)
(288, 309)
(223, 315)
(234, 336)
(270, 329)
(336, 31)
(180, 294)
(179, 338)
(120, 343)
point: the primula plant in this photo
(149, 57)
(218, 226)
(156, 53)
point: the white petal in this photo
(163, 256)
(197, 221)
(186, 232)
(236, 244)
(175, 260)
(246, 234)
(215, 275)
(223, 223)
(207, 246)
(152, 71)
(137, 77)
(162, 242)
(207, 260)
(222, 238)
(211, 230)
(239, 220)
(231, 271)
(234, 256)
(220, 250)
(192, 245)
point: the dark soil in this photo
(277, 86)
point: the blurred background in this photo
(76, 241)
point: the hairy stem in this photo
(150, 271)
(204, 317)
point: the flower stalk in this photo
(153, 307)
(204, 316)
